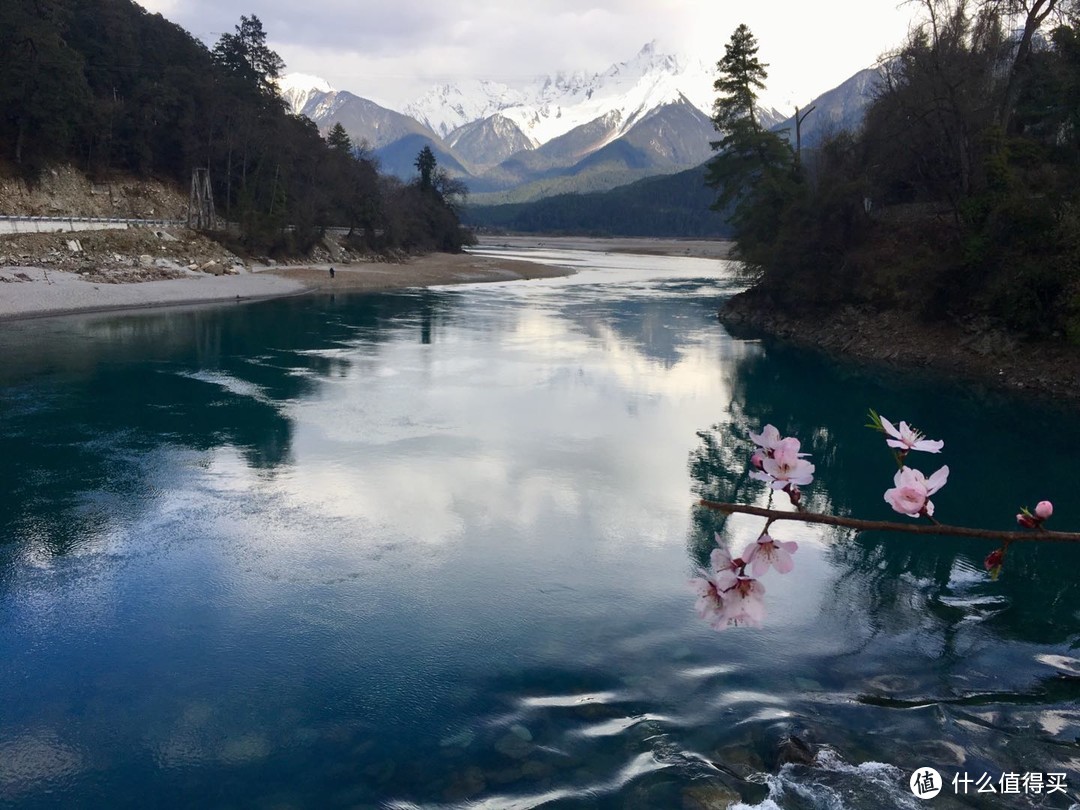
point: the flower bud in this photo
(1044, 509)
(794, 493)
(994, 559)
(757, 459)
(1027, 521)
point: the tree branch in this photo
(888, 526)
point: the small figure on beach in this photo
(331, 272)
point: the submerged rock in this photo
(794, 750)
(513, 746)
(522, 732)
(709, 796)
(247, 748)
(738, 760)
(460, 740)
(465, 785)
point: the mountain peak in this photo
(553, 105)
(299, 88)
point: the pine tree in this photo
(245, 54)
(741, 75)
(339, 139)
(754, 170)
(425, 164)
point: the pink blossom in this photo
(907, 438)
(710, 602)
(786, 466)
(1043, 510)
(911, 495)
(767, 439)
(725, 569)
(745, 603)
(766, 551)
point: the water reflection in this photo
(83, 399)
(825, 407)
(430, 549)
(924, 626)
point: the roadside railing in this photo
(25, 224)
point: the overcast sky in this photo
(391, 51)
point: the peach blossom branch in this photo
(889, 526)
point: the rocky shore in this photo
(974, 350)
(45, 274)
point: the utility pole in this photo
(201, 203)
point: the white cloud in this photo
(392, 53)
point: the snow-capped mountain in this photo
(299, 88)
(367, 123)
(489, 141)
(565, 132)
(554, 105)
(451, 106)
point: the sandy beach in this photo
(422, 271)
(34, 292)
(647, 246)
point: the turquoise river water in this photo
(430, 549)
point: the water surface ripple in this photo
(429, 549)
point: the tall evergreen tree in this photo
(742, 74)
(337, 138)
(425, 164)
(755, 169)
(246, 55)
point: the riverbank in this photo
(972, 350)
(35, 292)
(695, 248)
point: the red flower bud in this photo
(994, 559)
(1027, 521)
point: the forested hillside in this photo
(959, 197)
(106, 86)
(674, 205)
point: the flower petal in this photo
(937, 480)
(782, 562)
(889, 429)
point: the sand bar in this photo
(33, 292)
(647, 246)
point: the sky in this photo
(392, 52)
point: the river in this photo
(431, 548)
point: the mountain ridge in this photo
(650, 114)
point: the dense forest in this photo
(959, 197)
(674, 205)
(107, 87)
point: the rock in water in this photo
(794, 750)
(709, 796)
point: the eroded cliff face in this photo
(65, 191)
(115, 256)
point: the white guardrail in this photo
(13, 224)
